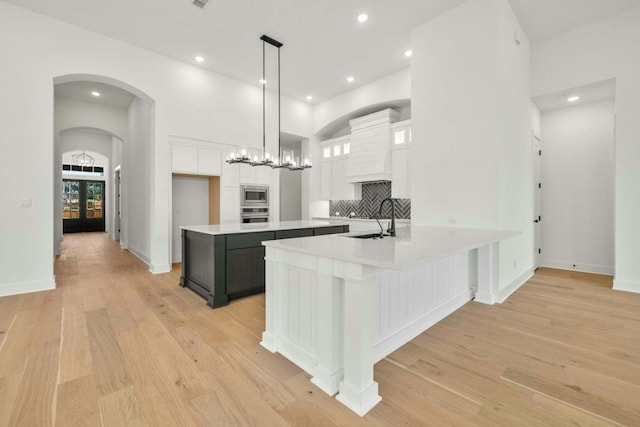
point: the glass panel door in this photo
(83, 206)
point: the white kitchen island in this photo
(336, 305)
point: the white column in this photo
(358, 390)
(488, 274)
(328, 329)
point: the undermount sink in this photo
(367, 236)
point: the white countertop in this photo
(411, 246)
(234, 228)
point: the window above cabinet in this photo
(336, 148)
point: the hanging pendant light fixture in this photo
(283, 159)
(83, 159)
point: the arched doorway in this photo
(114, 119)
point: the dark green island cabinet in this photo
(220, 264)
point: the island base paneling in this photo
(335, 319)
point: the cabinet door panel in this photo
(240, 270)
(230, 174)
(338, 177)
(400, 174)
(209, 162)
(325, 180)
(184, 159)
(247, 174)
(230, 204)
(258, 267)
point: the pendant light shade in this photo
(283, 158)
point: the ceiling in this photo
(542, 19)
(599, 91)
(110, 96)
(323, 42)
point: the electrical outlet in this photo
(24, 204)
(452, 221)
(515, 263)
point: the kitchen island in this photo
(335, 305)
(224, 262)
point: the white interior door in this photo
(537, 210)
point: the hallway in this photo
(116, 345)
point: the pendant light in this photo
(284, 159)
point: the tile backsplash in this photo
(372, 194)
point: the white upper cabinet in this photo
(196, 160)
(209, 162)
(333, 171)
(184, 159)
(230, 176)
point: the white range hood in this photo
(370, 154)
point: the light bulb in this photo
(288, 158)
(243, 152)
(306, 161)
(267, 156)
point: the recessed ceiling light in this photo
(408, 53)
(363, 17)
(95, 93)
(573, 98)
(199, 59)
(350, 79)
(263, 81)
(309, 97)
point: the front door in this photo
(82, 206)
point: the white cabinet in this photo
(184, 159)
(333, 171)
(195, 160)
(230, 175)
(229, 204)
(209, 162)
(254, 174)
(247, 173)
(401, 173)
(325, 179)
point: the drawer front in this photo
(248, 240)
(330, 230)
(289, 234)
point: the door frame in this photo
(538, 187)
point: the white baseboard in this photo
(159, 268)
(139, 255)
(409, 332)
(27, 287)
(626, 285)
(584, 268)
(506, 292)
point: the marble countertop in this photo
(411, 246)
(234, 228)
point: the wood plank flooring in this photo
(117, 346)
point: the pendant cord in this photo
(264, 88)
(278, 102)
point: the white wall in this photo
(291, 195)
(190, 207)
(137, 180)
(73, 113)
(189, 102)
(578, 188)
(471, 123)
(599, 51)
(396, 86)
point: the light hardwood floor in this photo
(117, 346)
